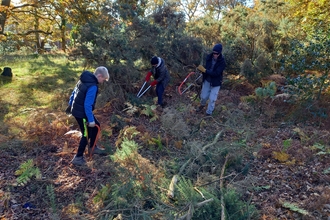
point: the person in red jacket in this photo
(161, 78)
(212, 78)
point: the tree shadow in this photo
(47, 77)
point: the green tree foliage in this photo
(312, 15)
(190, 8)
(255, 39)
(308, 64)
(66, 13)
(30, 24)
(238, 209)
(130, 44)
(34, 22)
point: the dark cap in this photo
(154, 60)
(217, 48)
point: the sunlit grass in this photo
(38, 82)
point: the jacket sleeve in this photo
(89, 101)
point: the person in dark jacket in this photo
(81, 105)
(212, 78)
(161, 78)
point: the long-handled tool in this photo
(97, 136)
(140, 94)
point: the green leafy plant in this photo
(238, 209)
(327, 171)
(26, 171)
(193, 197)
(158, 142)
(186, 190)
(322, 150)
(295, 208)
(268, 91)
(127, 148)
(102, 195)
(260, 188)
(117, 122)
(149, 111)
(52, 198)
(286, 144)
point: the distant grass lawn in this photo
(38, 82)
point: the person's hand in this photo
(91, 124)
(201, 68)
(153, 83)
(68, 110)
(148, 76)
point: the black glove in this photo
(68, 110)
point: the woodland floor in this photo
(284, 181)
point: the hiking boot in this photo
(78, 161)
(97, 150)
(200, 108)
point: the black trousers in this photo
(89, 134)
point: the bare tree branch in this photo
(35, 31)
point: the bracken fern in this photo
(26, 171)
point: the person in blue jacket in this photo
(161, 78)
(212, 78)
(81, 105)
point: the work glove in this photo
(153, 83)
(201, 68)
(91, 124)
(148, 76)
(68, 110)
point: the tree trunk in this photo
(3, 15)
(63, 39)
(37, 35)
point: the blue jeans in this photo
(160, 91)
(209, 93)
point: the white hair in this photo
(101, 70)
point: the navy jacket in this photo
(84, 95)
(160, 73)
(215, 75)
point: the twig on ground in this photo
(213, 142)
(205, 184)
(195, 188)
(223, 214)
(189, 214)
(170, 192)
